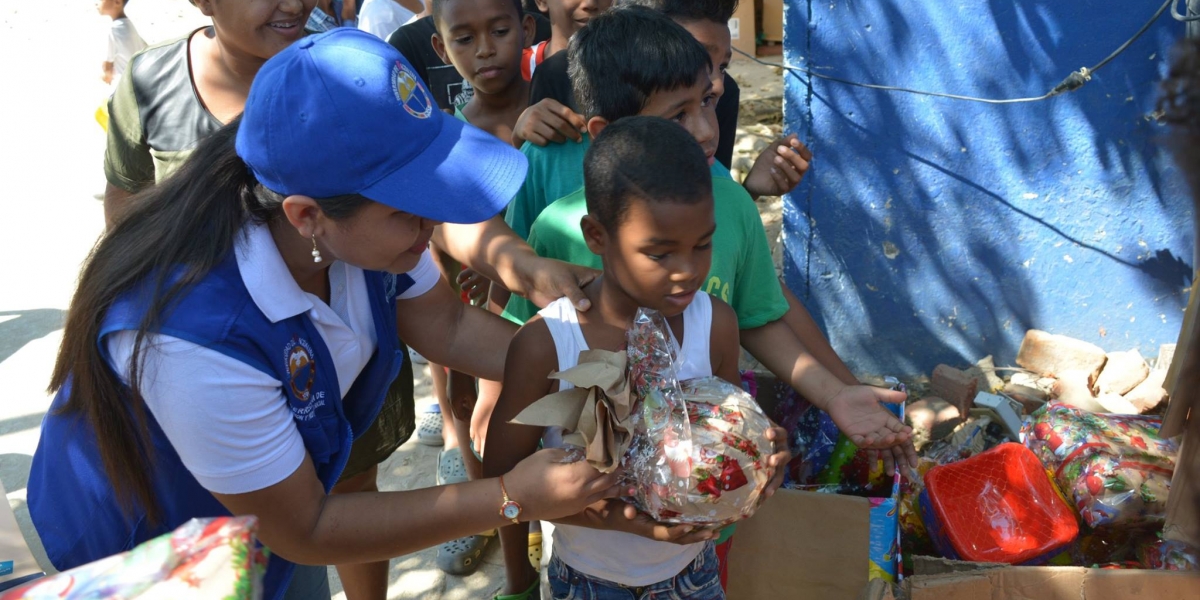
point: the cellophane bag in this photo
(1115, 469)
(203, 558)
(699, 447)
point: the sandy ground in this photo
(52, 151)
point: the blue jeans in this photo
(699, 581)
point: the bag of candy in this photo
(699, 447)
(1115, 469)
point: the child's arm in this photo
(724, 345)
(548, 121)
(106, 72)
(446, 331)
(531, 358)
(779, 169)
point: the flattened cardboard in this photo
(772, 20)
(742, 31)
(802, 545)
(1183, 416)
(16, 561)
(1052, 583)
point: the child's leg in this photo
(438, 374)
(461, 392)
(364, 581)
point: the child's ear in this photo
(594, 234)
(543, 6)
(440, 48)
(529, 26)
(595, 125)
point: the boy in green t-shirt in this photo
(615, 76)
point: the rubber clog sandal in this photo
(535, 550)
(450, 467)
(429, 431)
(462, 556)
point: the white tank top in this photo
(617, 556)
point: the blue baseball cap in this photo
(343, 112)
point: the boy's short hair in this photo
(717, 11)
(625, 55)
(649, 158)
(436, 6)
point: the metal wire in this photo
(1071, 83)
(1179, 16)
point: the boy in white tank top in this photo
(650, 218)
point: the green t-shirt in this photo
(742, 272)
(554, 171)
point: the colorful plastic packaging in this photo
(203, 558)
(1115, 469)
(999, 506)
(699, 447)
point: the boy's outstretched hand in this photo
(548, 121)
(779, 169)
(778, 461)
(857, 412)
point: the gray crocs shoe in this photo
(462, 556)
(429, 431)
(450, 467)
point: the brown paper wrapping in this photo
(596, 411)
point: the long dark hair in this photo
(183, 227)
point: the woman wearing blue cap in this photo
(237, 329)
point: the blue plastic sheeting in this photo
(933, 230)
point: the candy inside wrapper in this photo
(699, 447)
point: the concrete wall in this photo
(932, 230)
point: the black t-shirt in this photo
(551, 80)
(447, 86)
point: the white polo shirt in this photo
(228, 421)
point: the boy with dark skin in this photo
(483, 39)
(651, 219)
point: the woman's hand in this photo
(778, 461)
(548, 121)
(544, 280)
(779, 169)
(473, 284)
(625, 517)
(548, 488)
(857, 411)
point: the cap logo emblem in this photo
(410, 93)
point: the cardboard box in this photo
(939, 579)
(742, 31)
(1183, 417)
(772, 20)
(16, 561)
(828, 545)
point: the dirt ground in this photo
(52, 169)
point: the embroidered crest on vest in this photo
(301, 368)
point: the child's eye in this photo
(724, 68)
(708, 100)
(705, 246)
(656, 257)
(501, 32)
(678, 118)
(466, 39)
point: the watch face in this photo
(512, 510)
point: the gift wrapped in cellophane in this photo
(699, 447)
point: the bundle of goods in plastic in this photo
(699, 447)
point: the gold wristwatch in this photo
(509, 509)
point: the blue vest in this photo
(71, 501)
